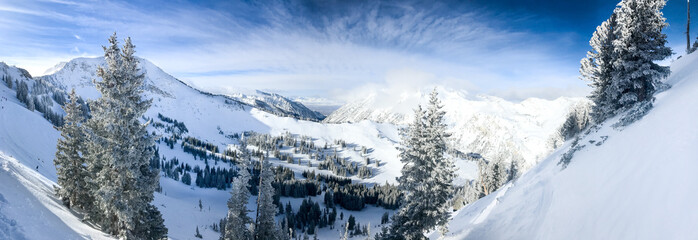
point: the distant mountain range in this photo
(491, 126)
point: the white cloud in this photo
(277, 47)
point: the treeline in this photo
(175, 128)
(309, 217)
(355, 196)
(41, 98)
(328, 159)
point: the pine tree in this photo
(120, 150)
(197, 234)
(427, 176)
(441, 181)
(31, 104)
(70, 161)
(265, 228)
(8, 81)
(22, 92)
(597, 68)
(639, 43)
(237, 222)
(345, 234)
(368, 232)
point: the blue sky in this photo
(333, 49)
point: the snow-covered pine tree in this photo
(265, 228)
(492, 175)
(70, 158)
(440, 184)
(237, 222)
(120, 150)
(405, 224)
(427, 175)
(639, 43)
(368, 232)
(284, 231)
(31, 105)
(597, 69)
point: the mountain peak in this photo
(79, 73)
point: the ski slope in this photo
(640, 183)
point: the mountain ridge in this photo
(523, 129)
(79, 72)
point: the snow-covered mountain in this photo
(319, 104)
(79, 73)
(28, 145)
(633, 182)
(491, 126)
(278, 104)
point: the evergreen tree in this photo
(120, 150)
(70, 161)
(8, 81)
(265, 228)
(197, 234)
(597, 68)
(639, 43)
(22, 92)
(237, 222)
(427, 176)
(368, 232)
(440, 183)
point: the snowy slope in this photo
(27, 137)
(28, 209)
(79, 73)
(640, 183)
(492, 126)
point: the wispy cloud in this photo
(316, 48)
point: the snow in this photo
(55, 68)
(80, 72)
(31, 140)
(484, 124)
(28, 210)
(639, 184)
(318, 104)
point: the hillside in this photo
(494, 127)
(637, 182)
